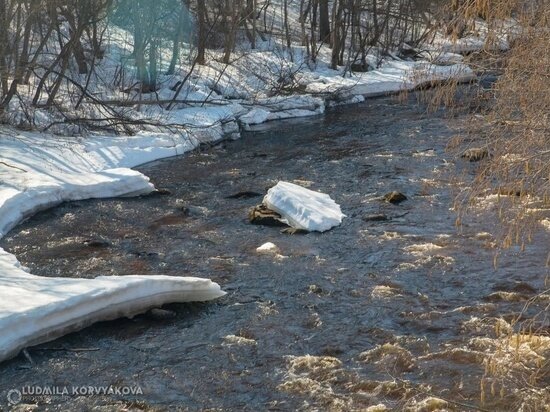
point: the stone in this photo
(247, 194)
(317, 290)
(191, 210)
(97, 243)
(377, 217)
(261, 215)
(395, 197)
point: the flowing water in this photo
(392, 312)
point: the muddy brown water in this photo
(413, 290)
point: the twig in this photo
(12, 166)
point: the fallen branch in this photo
(127, 103)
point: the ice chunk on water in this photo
(303, 208)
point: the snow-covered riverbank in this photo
(39, 172)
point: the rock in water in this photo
(395, 197)
(261, 215)
(378, 217)
(97, 243)
(303, 208)
(247, 194)
(475, 154)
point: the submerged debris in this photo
(161, 314)
(391, 357)
(158, 192)
(97, 243)
(429, 404)
(507, 191)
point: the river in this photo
(392, 312)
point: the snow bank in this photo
(392, 77)
(34, 310)
(45, 170)
(37, 173)
(472, 44)
(283, 107)
(303, 208)
(255, 116)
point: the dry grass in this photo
(511, 120)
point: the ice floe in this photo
(303, 208)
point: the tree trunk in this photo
(153, 72)
(324, 21)
(232, 11)
(287, 28)
(337, 35)
(253, 16)
(80, 57)
(23, 61)
(176, 47)
(313, 32)
(201, 17)
(4, 37)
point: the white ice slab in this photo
(303, 208)
(34, 309)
